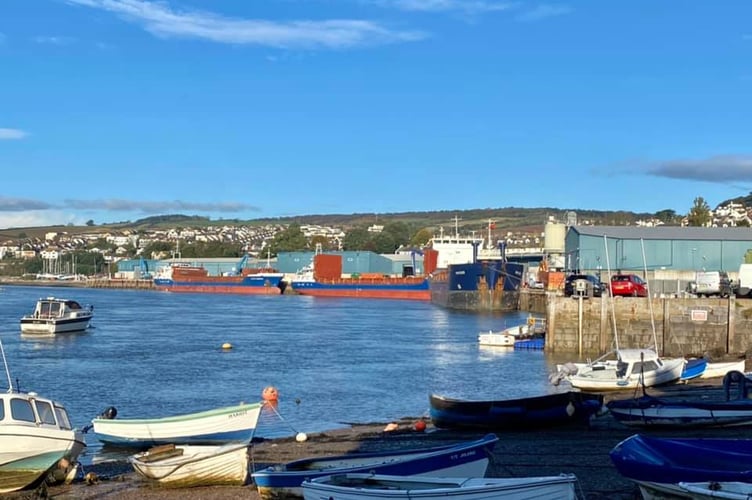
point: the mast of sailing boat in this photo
(610, 294)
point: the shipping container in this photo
(327, 266)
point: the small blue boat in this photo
(467, 459)
(659, 464)
(693, 369)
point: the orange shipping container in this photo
(371, 276)
(327, 266)
(430, 260)
(555, 280)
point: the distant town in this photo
(97, 249)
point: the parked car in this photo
(628, 285)
(570, 285)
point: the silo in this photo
(554, 234)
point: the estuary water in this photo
(334, 362)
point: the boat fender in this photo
(735, 378)
(571, 409)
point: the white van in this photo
(712, 283)
(744, 281)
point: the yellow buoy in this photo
(226, 346)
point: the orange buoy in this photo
(270, 393)
(420, 426)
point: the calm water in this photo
(334, 361)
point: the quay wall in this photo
(683, 326)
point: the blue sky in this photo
(115, 110)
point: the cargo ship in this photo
(459, 279)
(323, 278)
(187, 278)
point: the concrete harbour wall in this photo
(683, 326)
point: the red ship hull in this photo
(224, 288)
(367, 294)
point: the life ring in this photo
(531, 321)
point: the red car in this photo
(629, 285)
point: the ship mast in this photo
(457, 227)
(491, 225)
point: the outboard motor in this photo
(109, 413)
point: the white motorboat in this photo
(194, 465)
(622, 369)
(36, 439)
(54, 315)
(378, 486)
(504, 338)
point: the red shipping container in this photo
(327, 266)
(430, 260)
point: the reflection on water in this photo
(334, 361)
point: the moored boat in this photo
(721, 368)
(36, 439)
(511, 414)
(194, 465)
(657, 465)
(467, 459)
(217, 426)
(687, 412)
(52, 316)
(504, 338)
(621, 369)
(180, 277)
(710, 490)
(359, 486)
(694, 368)
(467, 276)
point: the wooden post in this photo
(579, 325)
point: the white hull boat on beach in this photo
(710, 490)
(630, 368)
(218, 426)
(36, 439)
(194, 465)
(720, 368)
(387, 487)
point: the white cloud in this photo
(163, 21)
(10, 134)
(544, 11)
(470, 6)
(53, 40)
(38, 219)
